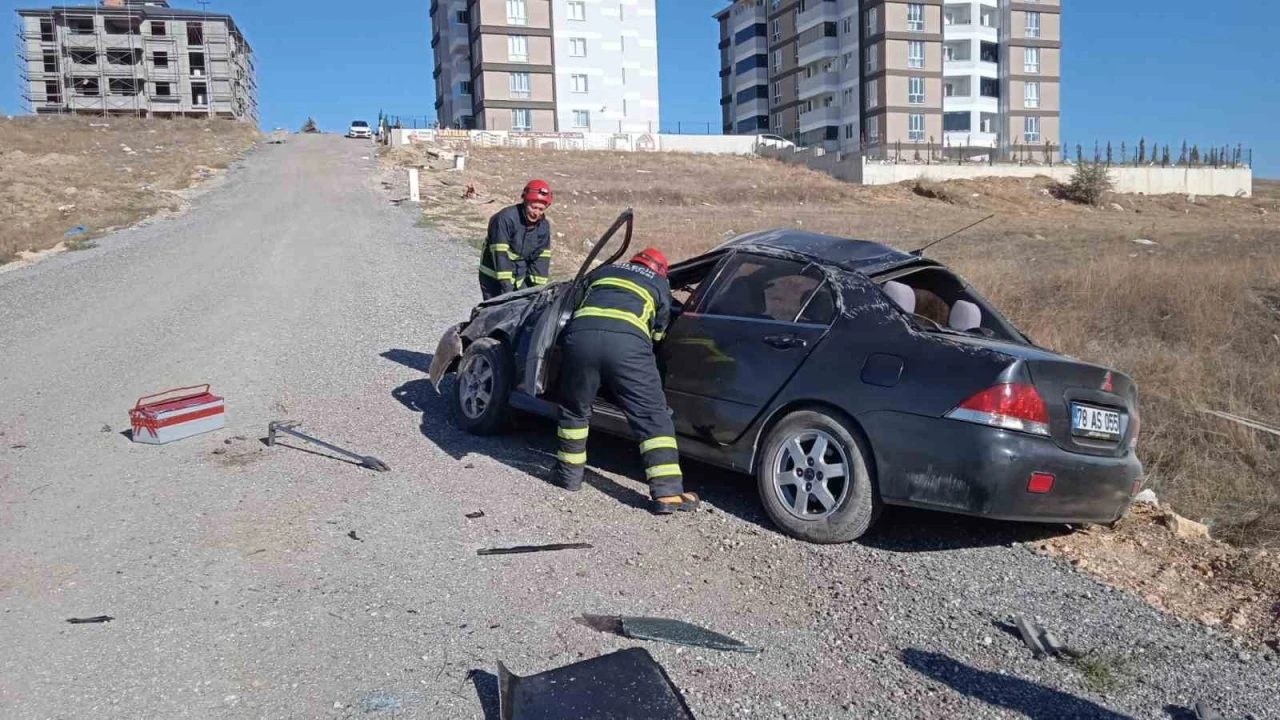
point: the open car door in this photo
(540, 355)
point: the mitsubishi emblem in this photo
(1106, 382)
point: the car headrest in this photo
(901, 294)
(965, 316)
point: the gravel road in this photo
(300, 292)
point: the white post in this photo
(459, 162)
(414, 195)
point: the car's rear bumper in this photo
(977, 470)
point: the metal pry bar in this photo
(290, 427)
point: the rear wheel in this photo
(482, 388)
(814, 479)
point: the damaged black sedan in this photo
(843, 375)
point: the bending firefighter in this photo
(517, 250)
(609, 340)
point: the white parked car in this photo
(774, 141)
(359, 129)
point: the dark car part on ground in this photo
(845, 375)
(624, 685)
(519, 549)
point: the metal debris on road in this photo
(534, 548)
(290, 428)
(353, 536)
(1043, 642)
(676, 632)
(475, 515)
(623, 685)
(88, 620)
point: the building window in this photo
(915, 90)
(873, 130)
(848, 59)
(521, 120)
(873, 58)
(1031, 129)
(915, 127)
(577, 47)
(1033, 24)
(579, 83)
(87, 87)
(462, 17)
(777, 93)
(956, 121)
(848, 25)
(517, 48)
(915, 17)
(520, 86)
(777, 59)
(915, 53)
(847, 97)
(158, 28)
(873, 93)
(848, 131)
(777, 30)
(989, 87)
(160, 59)
(872, 21)
(577, 10)
(777, 121)
(1031, 95)
(164, 89)
(582, 118)
(517, 12)
(464, 87)
(1031, 60)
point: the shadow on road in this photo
(908, 530)
(529, 446)
(486, 684)
(1035, 701)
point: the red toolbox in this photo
(177, 414)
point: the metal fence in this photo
(1122, 154)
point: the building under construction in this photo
(135, 57)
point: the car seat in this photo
(902, 295)
(965, 316)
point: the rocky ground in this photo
(247, 581)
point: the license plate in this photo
(1094, 422)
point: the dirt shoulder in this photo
(65, 181)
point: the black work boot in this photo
(684, 502)
(571, 481)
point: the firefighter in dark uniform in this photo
(609, 340)
(517, 249)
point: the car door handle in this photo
(784, 342)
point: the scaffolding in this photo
(130, 60)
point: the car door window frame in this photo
(714, 288)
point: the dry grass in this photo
(1195, 318)
(58, 173)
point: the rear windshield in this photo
(937, 299)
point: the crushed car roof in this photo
(861, 256)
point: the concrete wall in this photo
(1130, 180)
(622, 142)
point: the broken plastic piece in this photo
(624, 685)
(353, 536)
(679, 632)
(676, 632)
(533, 548)
(475, 515)
(1030, 636)
(94, 619)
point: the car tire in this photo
(833, 509)
(481, 393)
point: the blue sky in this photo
(1208, 72)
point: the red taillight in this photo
(1012, 406)
(1136, 419)
(1040, 482)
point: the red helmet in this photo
(653, 259)
(537, 191)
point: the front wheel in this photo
(482, 388)
(814, 479)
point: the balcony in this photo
(819, 118)
(824, 11)
(825, 83)
(820, 49)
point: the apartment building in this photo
(880, 74)
(135, 57)
(546, 65)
